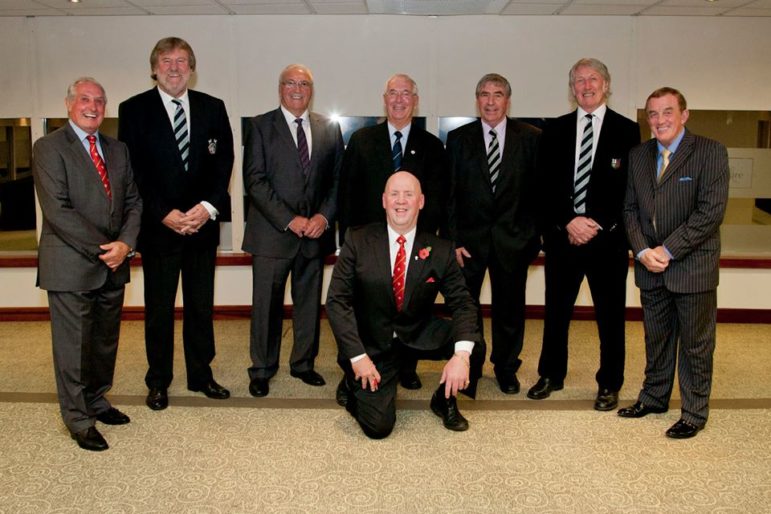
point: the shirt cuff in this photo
(212, 211)
(358, 358)
(464, 346)
(641, 253)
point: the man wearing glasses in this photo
(374, 154)
(292, 161)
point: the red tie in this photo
(99, 163)
(398, 278)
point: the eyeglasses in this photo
(392, 93)
(303, 84)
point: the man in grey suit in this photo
(676, 198)
(91, 215)
(292, 161)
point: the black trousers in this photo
(162, 270)
(605, 264)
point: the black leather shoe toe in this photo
(259, 387)
(113, 416)
(447, 409)
(310, 377)
(212, 390)
(683, 430)
(410, 380)
(606, 400)
(508, 384)
(157, 399)
(90, 439)
(639, 409)
(343, 392)
(543, 388)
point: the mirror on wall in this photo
(17, 197)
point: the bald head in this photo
(402, 201)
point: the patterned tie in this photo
(99, 163)
(665, 153)
(302, 147)
(396, 151)
(180, 132)
(581, 184)
(494, 159)
(398, 277)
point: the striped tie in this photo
(494, 159)
(581, 184)
(302, 147)
(665, 153)
(99, 163)
(180, 132)
(396, 151)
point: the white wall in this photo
(719, 63)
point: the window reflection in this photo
(17, 197)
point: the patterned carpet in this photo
(296, 451)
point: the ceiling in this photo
(408, 7)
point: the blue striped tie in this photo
(581, 184)
(494, 159)
(396, 151)
(180, 132)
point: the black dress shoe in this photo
(113, 416)
(508, 384)
(90, 439)
(639, 409)
(543, 388)
(683, 430)
(447, 409)
(310, 377)
(410, 380)
(259, 387)
(606, 400)
(157, 399)
(212, 390)
(343, 393)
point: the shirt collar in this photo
(405, 131)
(394, 235)
(289, 117)
(82, 134)
(167, 98)
(499, 128)
(673, 147)
(599, 112)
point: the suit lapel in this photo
(479, 151)
(684, 150)
(383, 147)
(81, 155)
(196, 134)
(380, 252)
(282, 129)
(415, 268)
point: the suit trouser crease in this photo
(162, 271)
(679, 328)
(269, 275)
(606, 270)
(85, 329)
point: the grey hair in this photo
(84, 80)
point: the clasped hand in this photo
(581, 230)
(187, 223)
(114, 254)
(311, 227)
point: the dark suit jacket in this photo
(163, 182)
(77, 214)
(480, 220)
(278, 189)
(360, 301)
(367, 165)
(688, 205)
(607, 184)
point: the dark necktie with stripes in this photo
(181, 133)
(581, 183)
(494, 159)
(396, 151)
(302, 147)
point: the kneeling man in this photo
(380, 305)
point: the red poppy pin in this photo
(423, 253)
(430, 280)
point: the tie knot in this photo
(401, 240)
(299, 121)
(177, 102)
(589, 117)
(91, 138)
(398, 135)
(493, 134)
(666, 153)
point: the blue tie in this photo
(396, 152)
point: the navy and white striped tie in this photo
(581, 183)
(396, 151)
(181, 133)
(494, 159)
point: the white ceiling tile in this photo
(603, 10)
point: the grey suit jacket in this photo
(278, 190)
(683, 211)
(77, 214)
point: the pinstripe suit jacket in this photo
(683, 212)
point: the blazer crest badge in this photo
(212, 146)
(615, 164)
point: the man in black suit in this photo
(675, 203)
(375, 153)
(380, 305)
(183, 176)
(292, 161)
(91, 216)
(492, 215)
(582, 170)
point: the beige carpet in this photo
(296, 451)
